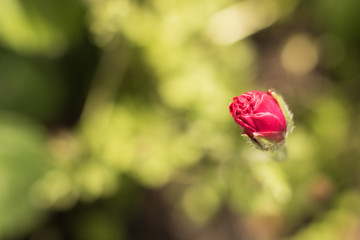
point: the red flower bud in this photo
(264, 117)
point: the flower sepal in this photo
(265, 143)
(285, 109)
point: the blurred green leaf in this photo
(23, 161)
(29, 88)
(39, 27)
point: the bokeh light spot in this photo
(299, 54)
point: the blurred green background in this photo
(114, 120)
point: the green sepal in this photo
(287, 113)
(263, 143)
(268, 145)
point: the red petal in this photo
(268, 104)
(245, 125)
(268, 122)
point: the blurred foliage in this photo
(23, 161)
(114, 119)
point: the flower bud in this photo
(264, 117)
